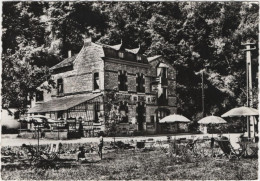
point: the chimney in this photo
(87, 41)
(69, 53)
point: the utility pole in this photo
(250, 120)
(202, 91)
(203, 95)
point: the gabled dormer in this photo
(120, 52)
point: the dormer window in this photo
(59, 86)
(121, 55)
(96, 81)
(139, 58)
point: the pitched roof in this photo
(153, 58)
(63, 103)
(67, 62)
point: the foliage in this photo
(110, 113)
(192, 36)
(151, 165)
(20, 80)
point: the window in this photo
(162, 113)
(16, 115)
(162, 74)
(123, 111)
(60, 115)
(96, 81)
(141, 115)
(162, 96)
(140, 83)
(122, 80)
(139, 58)
(60, 86)
(152, 119)
(39, 96)
(121, 55)
(96, 112)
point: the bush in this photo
(101, 133)
(193, 127)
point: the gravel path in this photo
(11, 140)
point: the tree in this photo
(191, 35)
(20, 80)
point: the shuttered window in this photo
(122, 80)
(140, 83)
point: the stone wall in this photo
(111, 75)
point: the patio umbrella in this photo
(174, 118)
(212, 120)
(241, 111)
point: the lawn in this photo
(150, 165)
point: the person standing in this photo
(100, 146)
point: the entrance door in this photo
(140, 111)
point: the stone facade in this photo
(100, 69)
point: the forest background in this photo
(193, 36)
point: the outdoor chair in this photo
(228, 149)
(149, 144)
(52, 153)
(254, 149)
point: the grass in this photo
(153, 165)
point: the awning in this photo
(61, 104)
